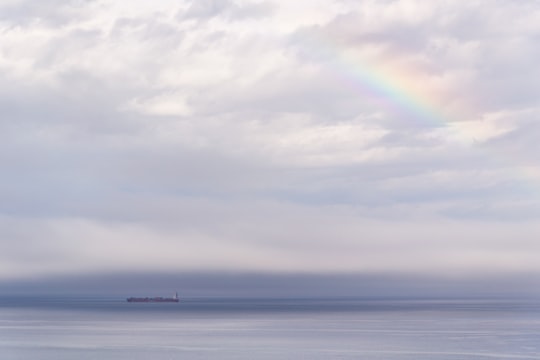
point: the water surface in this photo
(211, 328)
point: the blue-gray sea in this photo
(50, 328)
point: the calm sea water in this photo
(110, 328)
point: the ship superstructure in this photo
(158, 299)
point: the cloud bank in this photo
(269, 136)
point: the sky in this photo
(271, 137)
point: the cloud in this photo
(288, 239)
(195, 285)
(207, 9)
(52, 13)
(234, 135)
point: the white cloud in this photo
(292, 239)
(170, 104)
(304, 135)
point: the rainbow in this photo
(413, 96)
(400, 88)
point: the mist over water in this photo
(285, 285)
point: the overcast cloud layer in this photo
(269, 136)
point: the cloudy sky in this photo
(306, 136)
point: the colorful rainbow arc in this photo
(399, 90)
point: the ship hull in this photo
(153, 300)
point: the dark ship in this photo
(154, 299)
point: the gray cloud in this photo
(357, 138)
(48, 12)
(231, 9)
(195, 285)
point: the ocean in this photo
(62, 328)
